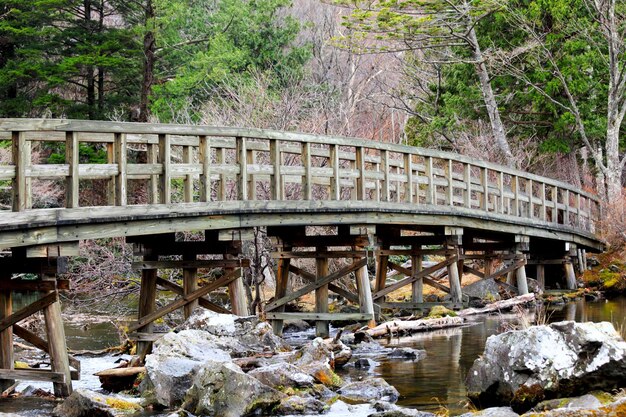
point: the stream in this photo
(431, 384)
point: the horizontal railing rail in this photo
(162, 164)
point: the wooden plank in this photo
(320, 282)
(282, 283)
(473, 271)
(177, 289)
(319, 316)
(334, 288)
(318, 255)
(242, 176)
(71, 159)
(33, 375)
(121, 179)
(29, 310)
(335, 188)
(145, 337)
(21, 150)
(202, 291)
(6, 339)
(360, 167)
(34, 285)
(321, 295)
(385, 183)
(190, 284)
(53, 251)
(206, 264)
(514, 266)
(410, 279)
(414, 305)
(165, 159)
(307, 178)
(246, 233)
(275, 178)
(57, 346)
(188, 179)
(204, 156)
(431, 190)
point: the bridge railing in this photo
(166, 164)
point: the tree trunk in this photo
(497, 127)
(149, 50)
(90, 75)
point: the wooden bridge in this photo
(363, 203)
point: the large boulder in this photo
(371, 389)
(317, 359)
(485, 289)
(523, 367)
(240, 336)
(223, 389)
(282, 375)
(86, 403)
(175, 360)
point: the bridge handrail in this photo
(358, 167)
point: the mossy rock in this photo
(440, 311)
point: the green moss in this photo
(440, 311)
(603, 397)
(120, 404)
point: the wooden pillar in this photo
(321, 295)
(59, 360)
(282, 283)
(541, 276)
(522, 282)
(417, 288)
(147, 305)
(366, 304)
(584, 259)
(237, 294)
(6, 337)
(581, 267)
(190, 284)
(381, 269)
(570, 275)
(455, 282)
(488, 263)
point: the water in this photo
(430, 384)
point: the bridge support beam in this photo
(568, 266)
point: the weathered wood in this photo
(205, 264)
(319, 317)
(498, 305)
(541, 276)
(412, 326)
(21, 151)
(177, 289)
(282, 283)
(71, 159)
(454, 280)
(332, 287)
(34, 285)
(53, 251)
(165, 159)
(29, 310)
(412, 277)
(366, 303)
(512, 267)
(121, 179)
(405, 305)
(147, 306)
(570, 275)
(56, 346)
(522, 283)
(190, 284)
(417, 290)
(321, 295)
(35, 375)
(318, 254)
(319, 283)
(6, 339)
(202, 291)
(473, 271)
(426, 279)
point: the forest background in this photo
(539, 85)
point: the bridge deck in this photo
(160, 178)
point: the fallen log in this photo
(410, 326)
(119, 379)
(498, 305)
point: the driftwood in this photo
(119, 379)
(498, 305)
(411, 326)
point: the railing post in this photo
(335, 185)
(154, 182)
(360, 166)
(384, 166)
(21, 159)
(567, 207)
(71, 159)
(450, 190)
(165, 159)
(484, 176)
(276, 161)
(242, 161)
(529, 193)
(515, 189)
(543, 202)
(204, 155)
(188, 180)
(501, 189)
(555, 201)
(119, 145)
(408, 170)
(467, 178)
(431, 191)
(307, 180)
